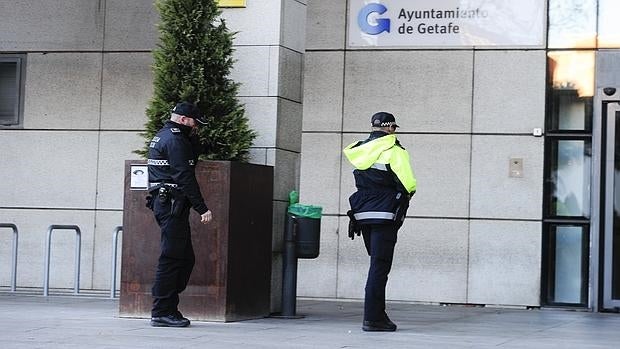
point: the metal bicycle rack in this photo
(14, 264)
(114, 255)
(46, 278)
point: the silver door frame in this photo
(612, 109)
(594, 201)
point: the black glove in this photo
(354, 228)
(351, 229)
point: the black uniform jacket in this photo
(172, 160)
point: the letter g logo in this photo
(383, 24)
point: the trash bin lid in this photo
(308, 211)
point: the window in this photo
(583, 24)
(572, 23)
(608, 25)
(11, 89)
(568, 181)
(566, 203)
(565, 266)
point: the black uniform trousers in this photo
(176, 260)
(379, 240)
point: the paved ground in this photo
(81, 322)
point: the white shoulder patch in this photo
(175, 130)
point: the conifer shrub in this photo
(192, 62)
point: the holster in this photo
(178, 202)
(170, 194)
(163, 194)
(149, 202)
(354, 227)
(401, 210)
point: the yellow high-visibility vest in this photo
(380, 152)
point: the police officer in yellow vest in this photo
(385, 183)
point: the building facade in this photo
(508, 112)
(77, 78)
(503, 112)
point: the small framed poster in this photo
(139, 177)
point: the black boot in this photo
(388, 321)
(379, 326)
(180, 316)
(171, 320)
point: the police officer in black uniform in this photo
(173, 154)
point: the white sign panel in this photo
(139, 177)
(446, 23)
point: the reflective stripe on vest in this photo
(378, 166)
(374, 215)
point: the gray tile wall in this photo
(54, 25)
(325, 24)
(504, 80)
(63, 91)
(430, 91)
(130, 25)
(504, 262)
(127, 85)
(494, 194)
(323, 86)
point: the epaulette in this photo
(175, 130)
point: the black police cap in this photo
(383, 119)
(189, 110)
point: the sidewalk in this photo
(80, 322)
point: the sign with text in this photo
(446, 23)
(231, 3)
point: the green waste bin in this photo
(301, 240)
(307, 226)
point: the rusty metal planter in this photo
(231, 277)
